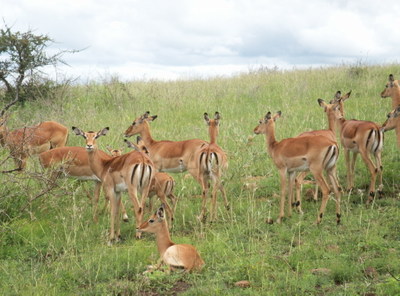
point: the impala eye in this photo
(151, 221)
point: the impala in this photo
(360, 137)
(162, 184)
(391, 121)
(329, 133)
(27, 141)
(130, 172)
(392, 90)
(308, 153)
(74, 162)
(212, 164)
(168, 156)
(174, 255)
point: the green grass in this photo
(52, 247)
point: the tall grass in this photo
(52, 247)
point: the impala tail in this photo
(375, 140)
(141, 176)
(331, 157)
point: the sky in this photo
(177, 39)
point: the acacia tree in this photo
(22, 57)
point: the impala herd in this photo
(143, 172)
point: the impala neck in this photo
(331, 122)
(340, 122)
(270, 138)
(146, 135)
(396, 97)
(213, 132)
(163, 239)
(97, 161)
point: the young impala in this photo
(392, 90)
(360, 137)
(174, 255)
(130, 172)
(31, 140)
(162, 184)
(212, 164)
(308, 153)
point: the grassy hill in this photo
(49, 244)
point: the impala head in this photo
(140, 146)
(138, 124)
(90, 137)
(212, 122)
(392, 119)
(264, 123)
(114, 152)
(391, 87)
(332, 108)
(155, 222)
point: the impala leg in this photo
(319, 178)
(116, 216)
(223, 192)
(136, 207)
(174, 201)
(336, 188)
(379, 166)
(214, 200)
(292, 176)
(352, 169)
(125, 217)
(283, 195)
(298, 183)
(373, 171)
(205, 187)
(114, 211)
(95, 201)
(348, 168)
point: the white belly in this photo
(87, 178)
(121, 187)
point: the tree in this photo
(22, 56)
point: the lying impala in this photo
(130, 172)
(174, 255)
(392, 90)
(360, 137)
(27, 141)
(329, 133)
(162, 184)
(212, 164)
(308, 153)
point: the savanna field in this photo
(49, 244)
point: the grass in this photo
(52, 247)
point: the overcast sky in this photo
(172, 39)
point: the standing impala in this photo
(130, 172)
(359, 137)
(31, 140)
(329, 133)
(391, 121)
(174, 255)
(162, 184)
(212, 163)
(392, 90)
(74, 162)
(168, 156)
(308, 153)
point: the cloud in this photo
(177, 38)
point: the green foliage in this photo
(52, 247)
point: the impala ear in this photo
(338, 95)
(277, 115)
(268, 116)
(146, 114)
(391, 78)
(78, 132)
(321, 102)
(131, 145)
(103, 132)
(160, 212)
(206, 118)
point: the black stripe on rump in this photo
(133, 172)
